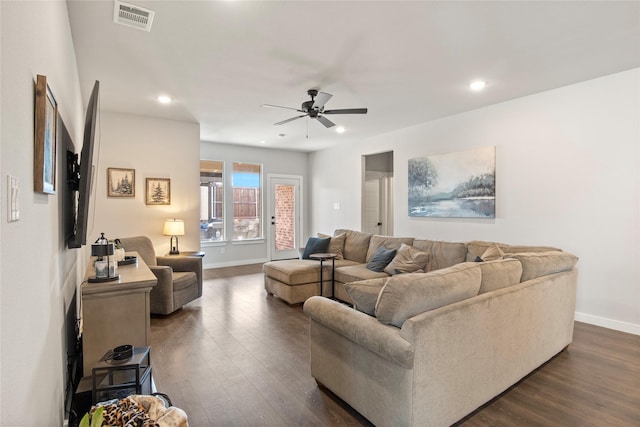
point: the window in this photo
(247, 201)
(211, 200)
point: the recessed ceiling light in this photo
(478, 85)
(340, 129)
(163, 99)
(262, 142)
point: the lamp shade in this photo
(102, 250)
(173, 227)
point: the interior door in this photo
(372, 219)
(377, 193)
(378, 204)
(285, 216)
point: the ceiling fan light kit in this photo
(315, 109)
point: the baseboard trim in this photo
(608, 323)
(235, 263)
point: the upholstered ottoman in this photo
(296, 280)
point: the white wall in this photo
(567, 176)
(38, 275)
(228, 253)
(154, 148)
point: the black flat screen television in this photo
(82, 183)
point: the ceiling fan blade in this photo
(347, 111)
(326, 122)
(321, 99)
(291, 119)
(280, 106)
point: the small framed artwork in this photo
(45, 131)
(158, 191)
(121, 182)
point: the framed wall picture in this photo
(453, 185)
(121, 182)
(45, 132)
(158, 191)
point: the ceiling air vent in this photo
(132, 16)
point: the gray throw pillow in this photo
(315, 245)
(380, 259)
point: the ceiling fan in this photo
(315, 109)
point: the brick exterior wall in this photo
(285, 217)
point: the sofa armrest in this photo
(162, 293)
(186, 263)
(384, 340)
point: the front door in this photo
(284, 216)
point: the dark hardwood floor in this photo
(237, 357)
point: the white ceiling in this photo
(408, 62)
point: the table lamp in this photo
(173, 228)
(102, 248)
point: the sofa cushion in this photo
(405, 295)
(336, 245)
(408, 260)
(353, 273)
(364, 294)
(499, 274)
(476, 248)
(443, 254)
(296, 271)
(381, 259)
(536, 264)
(388, 242)
(355, 244)
(516, 249)
(316, 245)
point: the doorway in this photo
(285, 216)
(377, 194)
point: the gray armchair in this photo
(179, 278)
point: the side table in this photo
(187, 253)
(116, 313)
(119, 378)
(322, 257)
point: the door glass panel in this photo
(285, 224)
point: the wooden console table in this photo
(115, 313)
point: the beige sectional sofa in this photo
(429, 348)
(296, 280)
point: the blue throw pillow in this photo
(380, 259)
(316, 245)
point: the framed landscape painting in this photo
(121, 182)
(454, 185)
(45, 133)
(158, 191)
